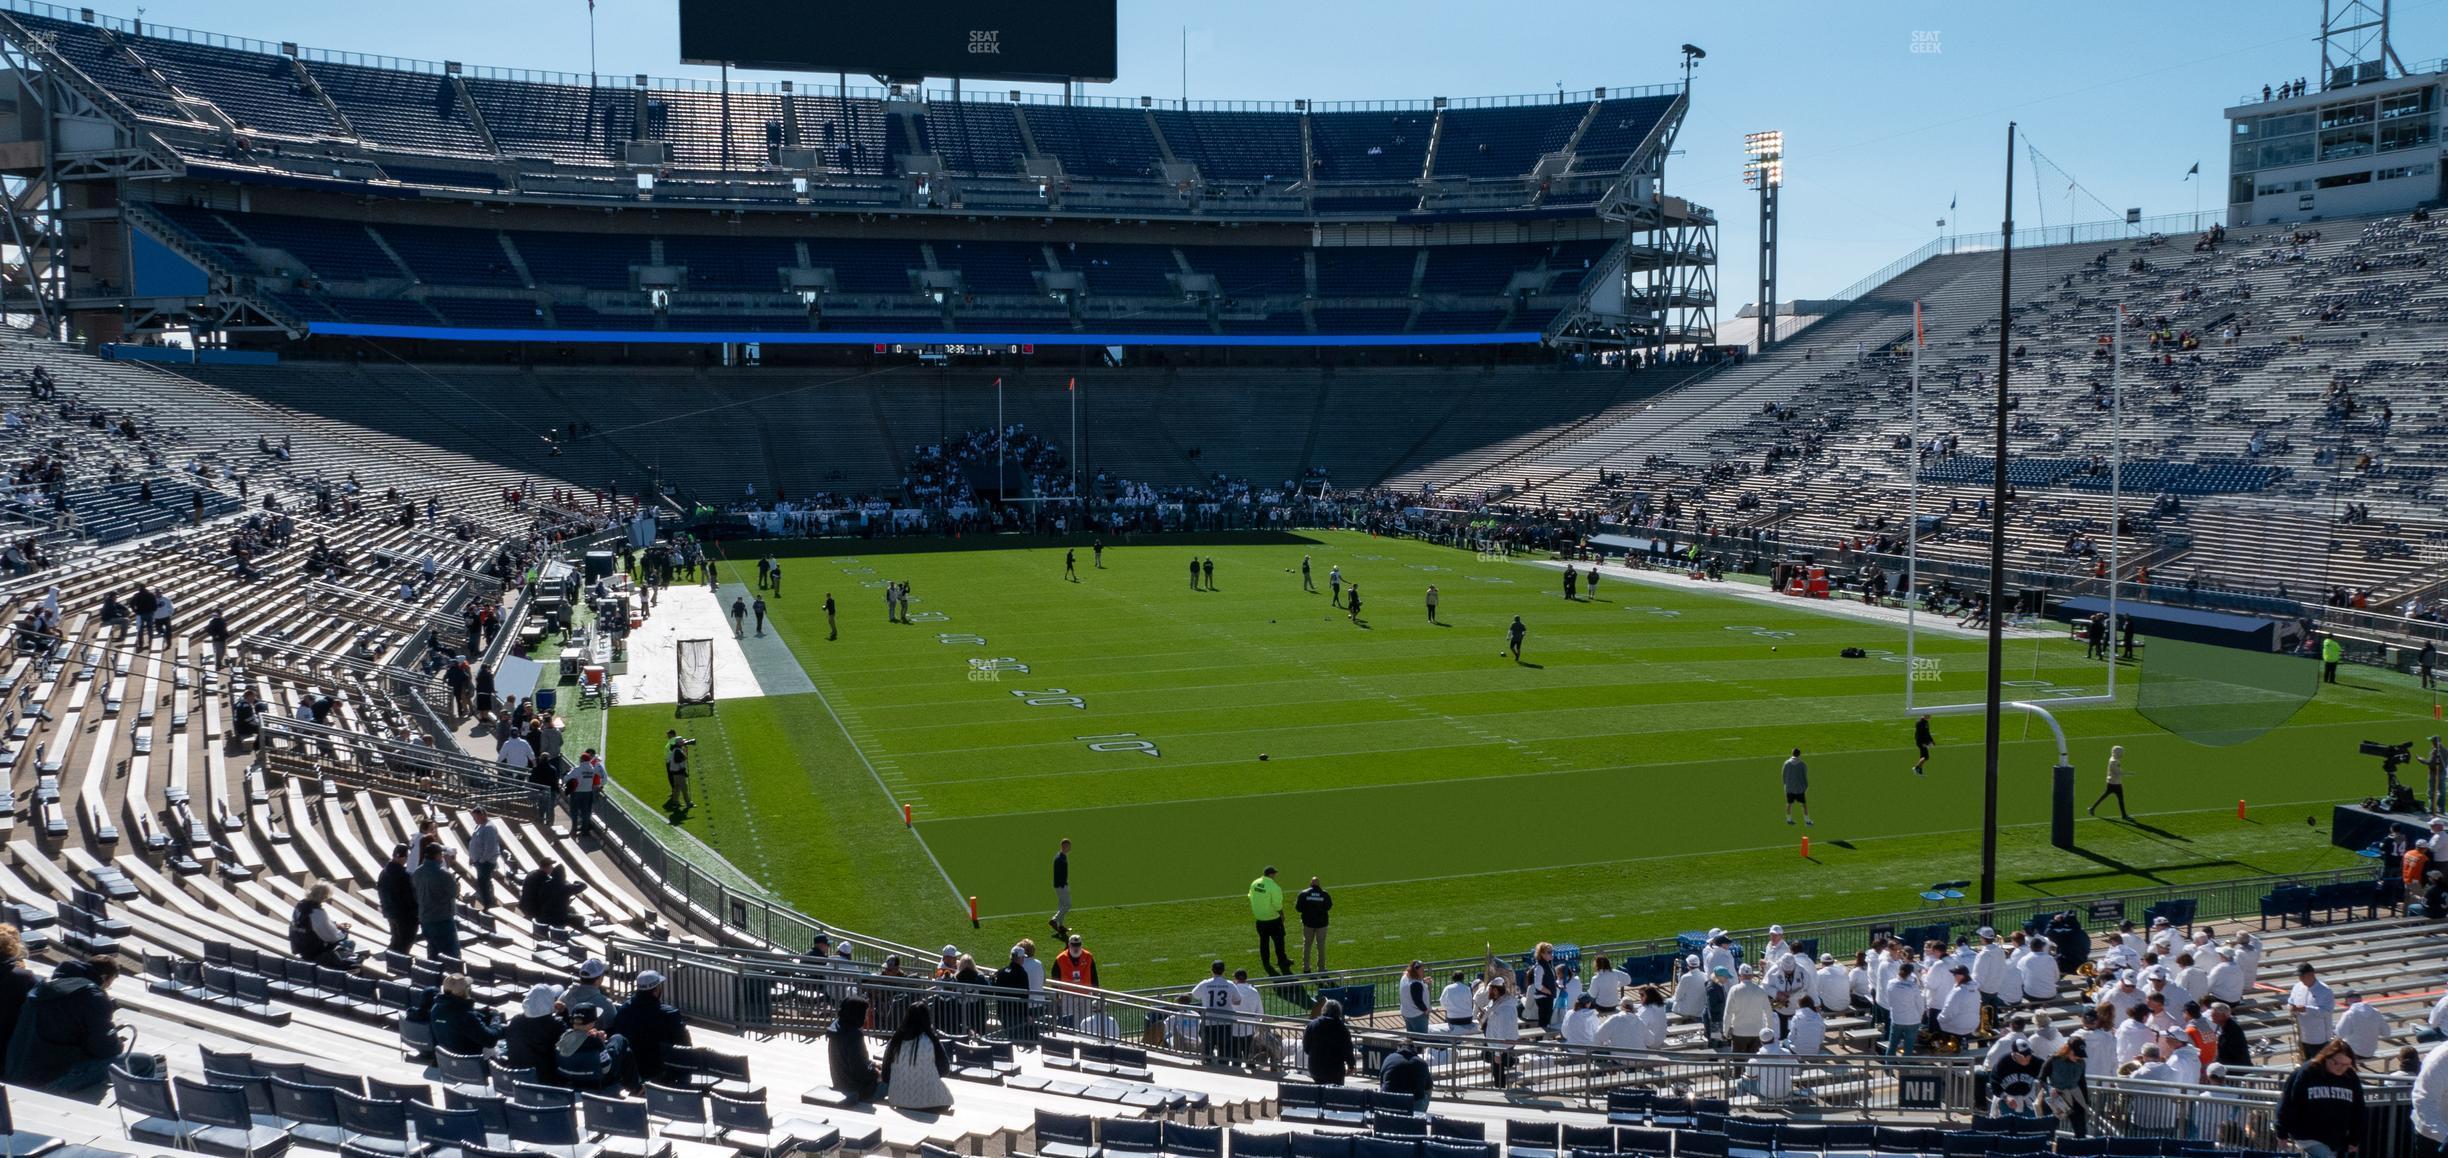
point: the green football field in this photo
(1622, 781)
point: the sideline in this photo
(1837, 608)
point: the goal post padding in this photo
(695, 658)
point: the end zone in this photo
(743, 667)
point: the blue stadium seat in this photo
(1252, 1144)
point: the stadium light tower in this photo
(1764, 170)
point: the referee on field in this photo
(1062, 888)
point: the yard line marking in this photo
(1237, 761)
(958, 902)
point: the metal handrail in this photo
(739, 915)
(748, 991)
(297, 747)
(2214, 901)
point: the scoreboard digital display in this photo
(1034, 40)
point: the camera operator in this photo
(676, 769)
(2436, 760)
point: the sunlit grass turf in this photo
(1621, 782)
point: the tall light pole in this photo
(1997, 546)
(1764, 170)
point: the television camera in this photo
(2398, 798)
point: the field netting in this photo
(2219, 696)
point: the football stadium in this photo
(599, 613)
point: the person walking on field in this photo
(758, 609)
(1062, 888)
(2331, 652)
(764, 572)
(1922, 740)
(1313, 904)
(1517, 630)
(2116, 784)
(1071, 565)
(1797, 787)
(1352, 603)
(739, 616)
(1096, 551)
(1432, 602)
(1267, 909)
(1307, 584)
(830, 631)
(1334, 585)
(777, 579)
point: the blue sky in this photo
(1878, 136)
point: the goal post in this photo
(695, 659)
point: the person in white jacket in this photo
(2163, 984)
(2118, 955)
(1807, 1033)
(2016, 1027)
(1746, 1011)
(2045, 1039)
(2009, 983)
(1622, 1029)
(1581, 1022)
(1770, 1076)
(1789, 980)
(1500, 1024)
(2133, 1034)
(2099, 1047)
(2431, 1097)
(1960, 1013)
(1691, 991)
(2193, 973)
(2248, 958)
(2361, 1028)
(1606, 984)
(2122, 996)
(2039, 969)
(2226, 978)
(1654, 1022)
(2163, 937)
(1905, 1004)
(1833, 989)
(1989, 966)
(1719, 954)
(1868, 979)
(1459, 1005)
(1940, 975)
